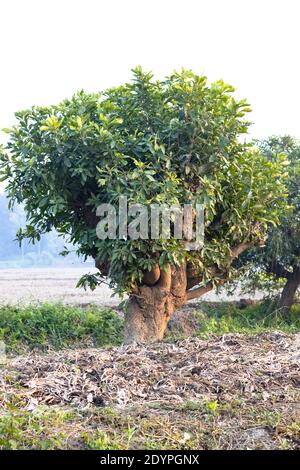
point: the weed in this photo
(58, 326)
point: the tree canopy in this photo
(167, 141)
(280, 258)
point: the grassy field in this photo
(68, 383)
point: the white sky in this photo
(50, 49)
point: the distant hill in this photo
(43, 253)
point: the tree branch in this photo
(151, 277)
(165, 279)
(235, 253)
(194, 293)
(239, 249)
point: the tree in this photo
(156, 142)
(280, 258)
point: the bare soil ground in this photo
(234, 391)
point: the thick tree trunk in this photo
(151, 307)
(164, 291)
(145, 322)
(289, 291)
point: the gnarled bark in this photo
(152, 304)
(151, 307)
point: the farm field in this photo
(59, 285)
(223, 378)
(229, 392)
(50, 285)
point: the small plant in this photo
(103, 441)
(212, 406)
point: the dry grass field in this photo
(229, 392)
(33, 285)
(50, 285)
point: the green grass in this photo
(198, 427)
(58, 326)
(27, 430)
(219, 318)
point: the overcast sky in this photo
(51, 49)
